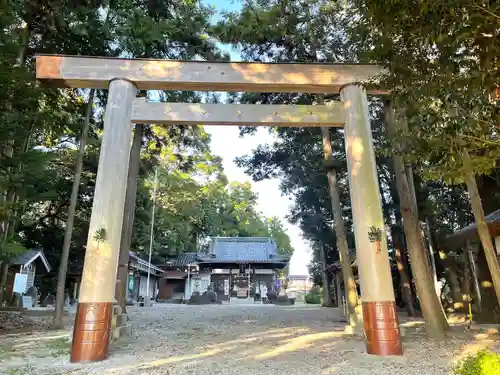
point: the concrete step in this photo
(240, 301)
(121, 332)
(119, 320)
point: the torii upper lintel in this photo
(148, 74)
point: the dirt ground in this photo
(241, 339)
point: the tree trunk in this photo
(335, 291)
(482, 226)
(403, 276)
(63, 265)
(466, 287)
(128, 217)
(345, 258)
(432, 310)
(452, 278)
(327, 297)
(25, 38)
(475, 276)
(4, 268)
(431, 254)
(8, 150)
(401, 257)
(411, 184)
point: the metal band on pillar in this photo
(377, 292)
(93, 318)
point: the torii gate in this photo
(123, 77)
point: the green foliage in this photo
(442, 66)
(334, 31)
(308, 32)
(482, 363)
(197, 203)
(315, 296)
(11, 249)
(100, 235)
(313, 299)
(40, 130)
(442, 63)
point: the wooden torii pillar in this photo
(123, 77)
(377, 291)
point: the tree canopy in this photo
(442, 64)
(40, 132)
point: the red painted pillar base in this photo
(382, 328)
(91, 332)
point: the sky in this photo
(227, 144)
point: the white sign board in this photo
(20, 283)
(263, 272)
(226, 287)
(27, 302)
(221, 270)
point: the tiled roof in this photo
(143, 261)
(178, 275)
(244, 249)
(184, 259)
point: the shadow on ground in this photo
(262, 340)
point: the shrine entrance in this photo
(124, 77)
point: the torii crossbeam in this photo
(123, 77)
(144, 112)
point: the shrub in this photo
(313, 299)
(315, 290)
(483, 363)
(314, 296)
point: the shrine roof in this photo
(460, 237)
(243, 250)
(29, 256)
(184, 259)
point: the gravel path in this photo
(255, 339)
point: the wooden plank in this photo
(237, 114)
(93, 72)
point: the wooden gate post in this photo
(95, 308)
(377, 292)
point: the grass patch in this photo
(5, 352)
(20, 370)
(484, 362)
(29, 370)
(59, 347)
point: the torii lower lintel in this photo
(144, 112)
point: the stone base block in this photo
(402, 331)
(356, 330)
(117, 309)
(121, 332)
(119, 320)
